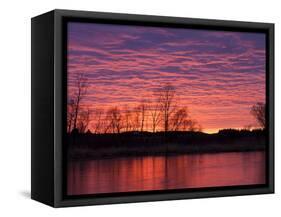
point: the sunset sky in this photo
(218, 75)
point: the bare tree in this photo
(192, 125)
(70, 115)
(80, 92)
(107, 125)
(155, 116)
(136, 119)
(166, 102)
(258, 111)
(179, 119)
(128, 125)
(142, 108)
(115, 120)
(83, 120)
(99, 122)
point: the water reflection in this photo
(161, 172)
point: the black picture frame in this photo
(48, 74)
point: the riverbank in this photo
(85, 146)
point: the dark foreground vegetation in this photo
(87, 145)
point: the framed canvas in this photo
(132, 108)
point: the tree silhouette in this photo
(166, 102)
(76, 114)
(155, 116)
(70, 114)
(81, 89)
(99, 122)
(128, 125)
(192, 125)
(136, 119)
(115, 120)
(83, 120)
(179, 119)
(258, 111)
(142, 108)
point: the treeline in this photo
(163, 143)
(159, 113)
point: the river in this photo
(165, 172)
